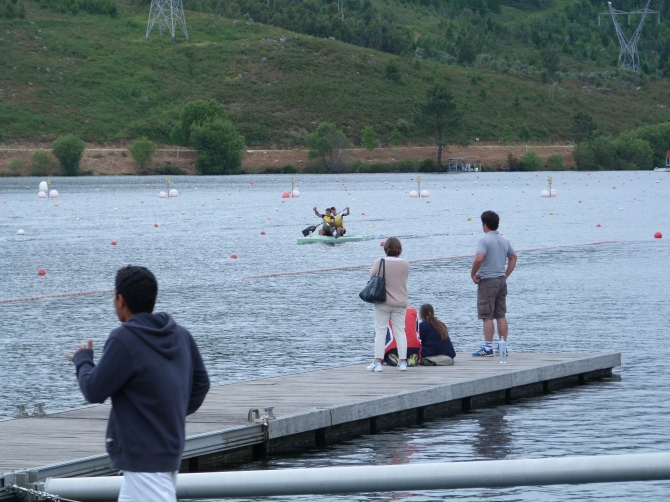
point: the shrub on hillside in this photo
(289, 169)
(42, 164)
(369, 139)
(271, 170)
(177, 136)
(512, 163)
(408, 166)
(555, 162)
(395, 137)
(219, 147)
(102, 7)
(393, 72)
(11, 9)
(68, 150)
(632, 152)
(403, 126)
(329, 144)
(2, 137)
(531, 161)
(198, 112)
(16, 167)
(427, 166)
(142, 150)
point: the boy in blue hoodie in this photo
(153, 372)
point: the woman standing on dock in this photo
(393, 309)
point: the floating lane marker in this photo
(423, 260)
(58, 295)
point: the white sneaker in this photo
(402, 366)
(375, 367)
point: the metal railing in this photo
(390, 478)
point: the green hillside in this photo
(96, 76)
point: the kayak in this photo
(332, 240)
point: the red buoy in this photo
(155, 225)
(362, 214)
(580, 201)
(113, 243)
(41, 272)
(262, 232)
(658, 235)
(285, 195)
(598, 225)
(233, 256)
(382, 243)
(268, 218)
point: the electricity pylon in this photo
(168, 14)
(629, 58)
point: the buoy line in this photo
(422, 260)
(58, 295)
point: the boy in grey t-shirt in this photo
(490, 274)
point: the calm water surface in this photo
(574, 298)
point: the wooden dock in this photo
(311, 408)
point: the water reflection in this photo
(493, 439)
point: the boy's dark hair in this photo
(491, 220)
(138, 287)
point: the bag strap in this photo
(382, 263)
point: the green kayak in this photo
(332, 240)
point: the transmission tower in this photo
(168, 14)
(629, 58)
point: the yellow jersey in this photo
(339, 221)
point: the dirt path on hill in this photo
(115, 160)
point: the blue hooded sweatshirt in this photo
(152, 370)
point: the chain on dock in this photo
(36, 493)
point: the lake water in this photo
(604, 297)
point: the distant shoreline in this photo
(171, 160)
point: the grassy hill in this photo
(96, 76)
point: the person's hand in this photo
(475, 278)
(88, 345)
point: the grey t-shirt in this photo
(496, 249)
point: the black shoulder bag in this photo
(375, 290)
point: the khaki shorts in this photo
(492, 298)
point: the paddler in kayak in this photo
(328, 222)
(339, 221)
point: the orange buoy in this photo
(41, 272)
(382, 243)
(285, 195)
(658, 235)
(233, 256)
(598, 225)
(113, 243)
(155, 225)
(262, 232)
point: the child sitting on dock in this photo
(436, 347)
(413, 342)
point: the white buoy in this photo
(77, 218)
(446, 209)
(53, 194)
(425, 193)
(115, 209)
(41, 195)
(20, 232)
(296, 193)
(43, 186)
(174, 192)
(413, 193)
(162, 195)
(544, 193)
(553, 192)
